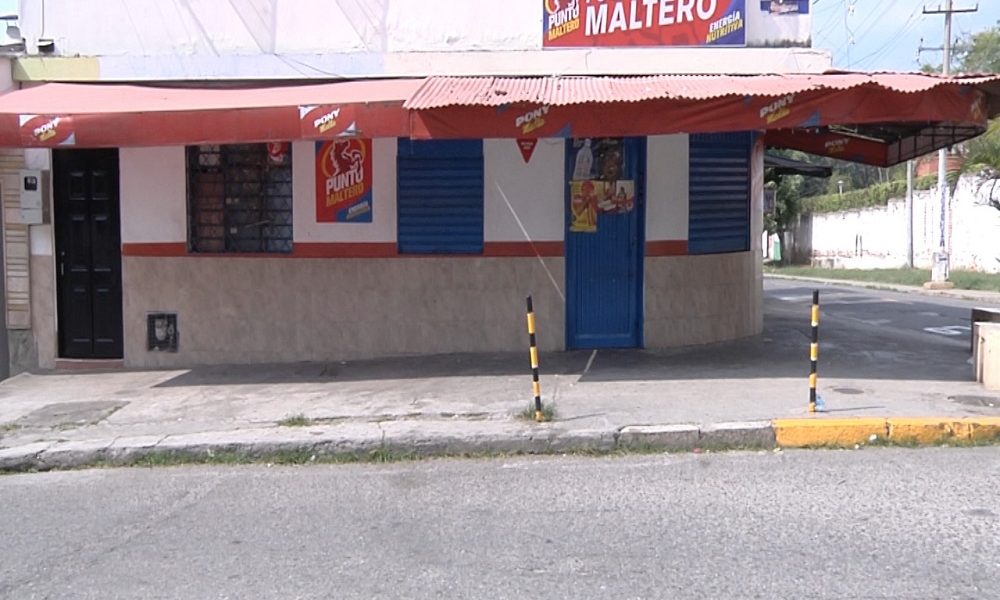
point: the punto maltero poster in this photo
(344, 181)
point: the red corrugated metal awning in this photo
(96, 115)
(442, 92)
(876, 118)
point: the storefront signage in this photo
(344, 181)
(327, 121)
(527, 147)
(785, 7)
(586, 23)
(46, 130)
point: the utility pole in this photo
(909, 214)
(941, 267)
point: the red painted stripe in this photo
(667, 248)
(523, 249)
(155, 249)
(344, 250)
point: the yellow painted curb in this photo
(929, 430)
(846, 432)
(803, 433)
(984, 429)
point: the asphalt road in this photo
(866, 332)
(875, 523)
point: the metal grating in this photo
(240, 198)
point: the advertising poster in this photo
(617, 23)
(46, 130)
(596, 186)
(344, 181)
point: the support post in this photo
(814, 353)
(536, 386)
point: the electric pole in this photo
(941, 267)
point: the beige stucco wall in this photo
(242, 310)
(702, 299)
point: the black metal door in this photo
(88, 253)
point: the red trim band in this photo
(343, 250)
(667, 248)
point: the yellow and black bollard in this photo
(536, 386)
(814, 352)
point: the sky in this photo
(887, 33)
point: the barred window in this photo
(240, 197)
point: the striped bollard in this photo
(536, 386)
(814, 352)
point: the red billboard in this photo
(617, 23)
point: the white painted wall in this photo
(667, 184)
(153, 190)
(305, 228)
(262, 39)
(536, 191)
(876, 237)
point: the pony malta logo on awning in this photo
(46, 130)
(586, 23)
(326, 121)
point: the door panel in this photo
(604, 240)
(88, 253)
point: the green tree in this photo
(980, 52)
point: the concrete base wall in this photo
(255, 310)
(702, 299)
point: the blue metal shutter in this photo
(439, 196)
(719, 217)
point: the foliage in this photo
(876, 195)
(792, 190)
(980, 52)
(983, 153)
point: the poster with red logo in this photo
(617, 23)
(344, 181)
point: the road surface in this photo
(874, 523)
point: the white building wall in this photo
(667, 178)
(876, 237)
(534, 190)
(153, 189)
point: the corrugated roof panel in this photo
(439, 92)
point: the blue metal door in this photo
(604, 242)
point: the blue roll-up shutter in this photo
(719, 217)
(440, 196)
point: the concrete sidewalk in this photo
(980, 296)
(729, 395)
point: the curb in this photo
(369, 442)
(970, 295)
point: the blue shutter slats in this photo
(440, 196)
(719, 216)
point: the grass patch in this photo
(8, 427)
(548, 412)
(297, 420)
(963, 280)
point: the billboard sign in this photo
(624, 23)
